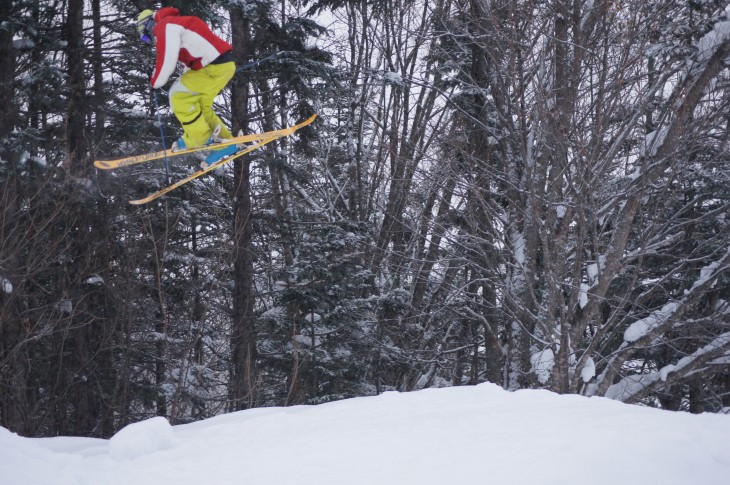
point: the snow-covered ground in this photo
(460, 435)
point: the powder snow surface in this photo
(479, 434)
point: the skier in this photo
(209, 67)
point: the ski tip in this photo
(102, 164)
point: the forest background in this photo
(530, 193)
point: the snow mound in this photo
(141, 438)
(458, 435)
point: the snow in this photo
(39, 161)
(142, 438)
(592, 269)
(592, 272)
(653, 141)
(542, 364)
(480, 434)
(23, 159)
(659, 317)
(588, 371)
(587, 10)
(95, 280)
(707, 45)
(710, 271)
(635, 383)
(664, 371)
(642, 327)
(583, 296)
(518, 244)
(23, 44)
(308, 341)
(6, 285)
(66, 306)
(393, 78)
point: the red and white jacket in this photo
(185, 39)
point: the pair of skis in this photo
(258, 140)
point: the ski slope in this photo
(458, 435)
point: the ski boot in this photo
(217, 155)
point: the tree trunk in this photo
(76, 142)
(243, 331)
(13, 361)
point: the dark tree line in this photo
(523, 192)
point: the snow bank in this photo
(141, 438)
(479, 434)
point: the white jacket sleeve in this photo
(168, 50)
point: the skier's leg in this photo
(209, 82)
(185, 102)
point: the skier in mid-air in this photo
(209, 67)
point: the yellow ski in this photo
(202, 172)
(253, 137)
(269, 137)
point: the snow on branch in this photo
(713, 42)
(712, 49)
(6, 285)
(720, 33)
(644, 331)
(633, 387)
(644, 326)
(658, 318)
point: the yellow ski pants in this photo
(191, 99)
